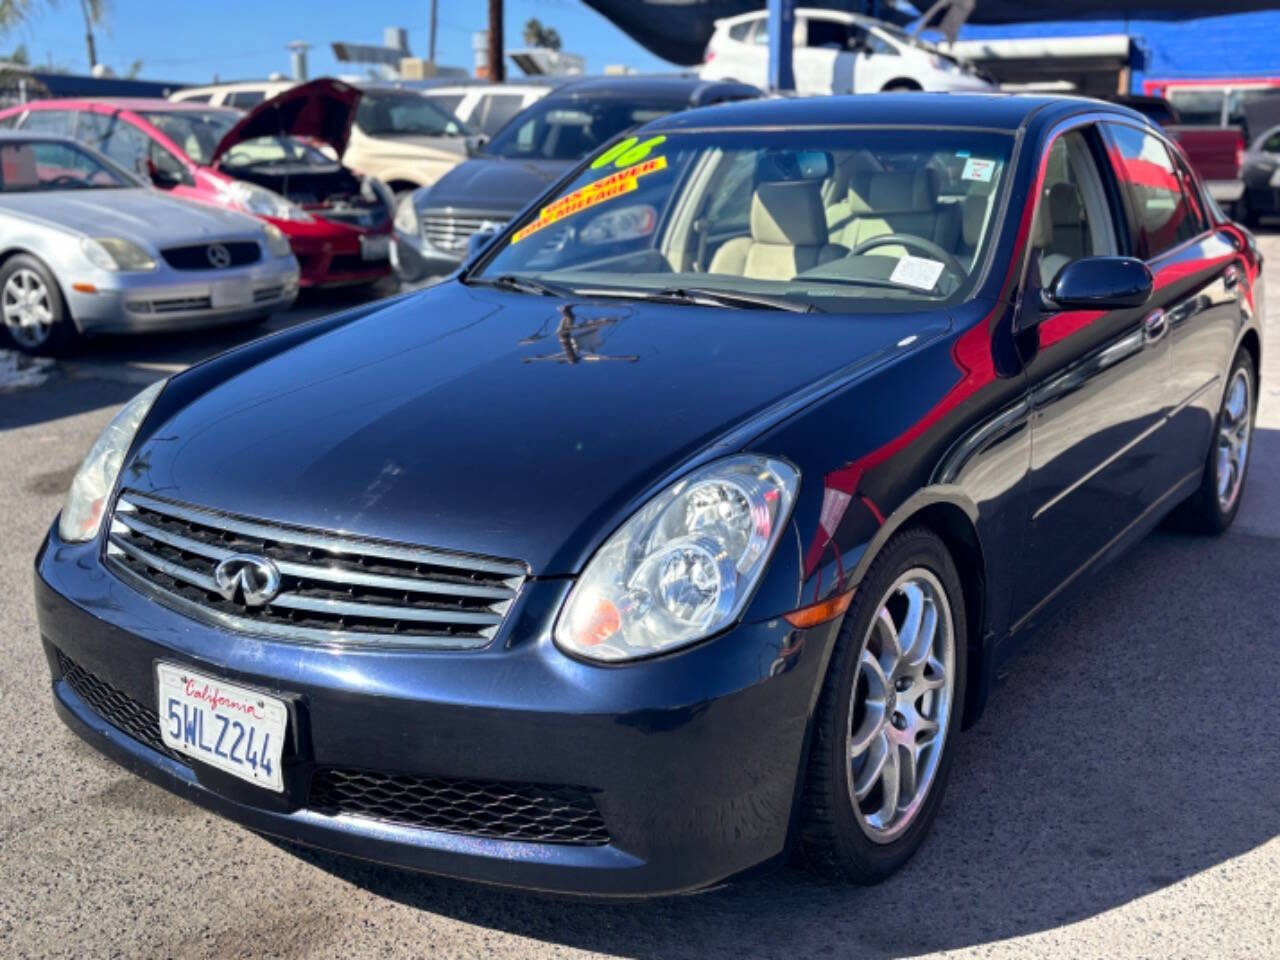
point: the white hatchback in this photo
(837, 52)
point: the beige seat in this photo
(788, 235)
(899, 202)
(1061, 235)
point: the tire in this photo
(1243, 212)
(1209, 510)
(901, 86)
(859, 844)
(32, 310)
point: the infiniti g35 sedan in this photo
(690, 521)
(86, 247)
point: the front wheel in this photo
(888, 713)
(32, 308)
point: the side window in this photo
(1073, 219)
(126, 145)
(197, 98)
(827, 33)
(1164, 217)
(500, 108)
(761, 37)
(448, 102)
(740, 31)
(1272, 143)
(1195, 201)
(875, 43)
(59, 122)
(244, 99)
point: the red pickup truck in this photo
(1216, 153)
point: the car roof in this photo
(997, 111)
(136, 104)
(682, 86)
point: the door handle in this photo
(1154, 326)
(1231, 277)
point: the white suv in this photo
(837, 53)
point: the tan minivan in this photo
(399, 136)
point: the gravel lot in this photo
(1120, 797)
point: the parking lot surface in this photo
(1119, 798)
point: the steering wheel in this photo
(66, 179)
(913, 242)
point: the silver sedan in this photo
(86, 247)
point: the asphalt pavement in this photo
(1119, 798)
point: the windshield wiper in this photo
(520, 284)
(704, 296)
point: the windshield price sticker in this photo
(606, 188)
(975, 168)
(919, 272)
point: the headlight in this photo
(407, 216)
(116, 253)
(683, 567)
(277, 242)
(92, 485)
(263, 202)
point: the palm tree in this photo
(14, 13)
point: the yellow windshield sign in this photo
(614, 185)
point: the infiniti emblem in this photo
(255, 579)
(219, 256)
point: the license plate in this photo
(236, 730)
(375, 248)
(231, 292)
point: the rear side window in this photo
(58, 122)
(195, 98)
(500, 108)
(1165, 218)
(244, 99)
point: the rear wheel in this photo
(887, 715)
(901, 86)
(31, 306)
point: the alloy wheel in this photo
(901, 705)
(1234, 428)
(27, 308)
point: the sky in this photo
(188, 41)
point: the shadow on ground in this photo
(1123, 752)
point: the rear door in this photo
(823, 60)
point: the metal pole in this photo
(431, 46)
(496, 71)
(782, 23)
(88, 34)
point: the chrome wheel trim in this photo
(27, 308)
(1234, 428)
(901, 705)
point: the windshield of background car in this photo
(46, 165)
(570, 129)
(275, 151)
(836, 219)
(405, 114)
(197, 132)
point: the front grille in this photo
(450, 232)
(508, 811)
(263, 294)
(197, 256)
(170, 305)
(332, 589)
(118, 709)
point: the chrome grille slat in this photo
(451, 231)
(333, 589)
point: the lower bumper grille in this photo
(506, 811)
(118, 709)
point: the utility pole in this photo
(497, 72)
(431, 45)
(88, 34)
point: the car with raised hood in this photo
(690, 520)
(264, 162)
(404, 139)
(86, 247)
(839, 52)
(536, 148)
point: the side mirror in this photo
(479, 240)
(476, 144)
(1100, 283)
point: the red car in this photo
(264, 162)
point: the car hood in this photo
(321, 110)
(471, 419)
(140, 214)
(493, 184)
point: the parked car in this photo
(486, 107)
(338, 223)
(633, 554)
(86, 247)
(837, 52)
(536, 148)
(402, 138)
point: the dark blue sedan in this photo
(690, 520)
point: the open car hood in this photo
(321, 110)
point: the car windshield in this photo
(47, 165)
(819, 219)
(565, 129)
(404, 115)
(197, 132)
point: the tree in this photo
(14, 13)
(20, 55)
(536, 35)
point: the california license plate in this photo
(375, 248)
(239, 731)
(231, 292)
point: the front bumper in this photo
(168, 299)
(335, 255)
(691, 759)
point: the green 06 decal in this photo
(627, 152)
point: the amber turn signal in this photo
(818, 613)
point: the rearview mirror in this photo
(1100, 283)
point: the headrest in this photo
(18, 166)
(914, 191)
(1065, 208)
(973, 216)
(788, 212)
